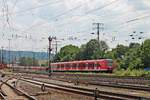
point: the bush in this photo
(129, 72)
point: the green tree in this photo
(145, 53)
(103, 46)
(132, 60)
(134, 45)
(91, 47)
(81, 53)
(67, 53)
(119, 52)
(93, 50)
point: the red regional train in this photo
(84, 65)
(105, 65)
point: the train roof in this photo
(82, 61)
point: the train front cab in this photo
(110, 65)
(105, 65)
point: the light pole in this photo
(9, 51)
(2, 55)
(99, 26)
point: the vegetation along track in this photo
(10, 92)
(86, 91)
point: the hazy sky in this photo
(28, 23)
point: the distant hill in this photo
(14, 55)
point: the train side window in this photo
(62, 65)
(91, 64)
(83, 65)
(80, 64)
(70, 65)
(74, 65)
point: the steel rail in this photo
(107, 84)
(19, 91)
(85, 91)
(3, 96)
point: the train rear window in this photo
(82, 64)
(67, 65)
(110, 62)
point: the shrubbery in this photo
(130, 60)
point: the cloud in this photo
(146, 2)
(69, 18)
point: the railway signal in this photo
(50, 38)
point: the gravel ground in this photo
(49, 94)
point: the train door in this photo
(70, 66)
(67, 66)
(86, 66)
(77, 66)
(80, 66)
(74, 66)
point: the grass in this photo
(132, 72)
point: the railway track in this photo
(94, 78)
(9, 92)
(115, 85)
(105, 78)
(96, 83)
(85, 91)
(2, 96)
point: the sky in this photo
(27, 24)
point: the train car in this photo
(29, 69)
(83, 66)
(2, 66)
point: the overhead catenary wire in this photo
(99, 8)
(33, 8)
(15, 3)
(129, 21)
(138, 18)
(63, 14)
(102, 7)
